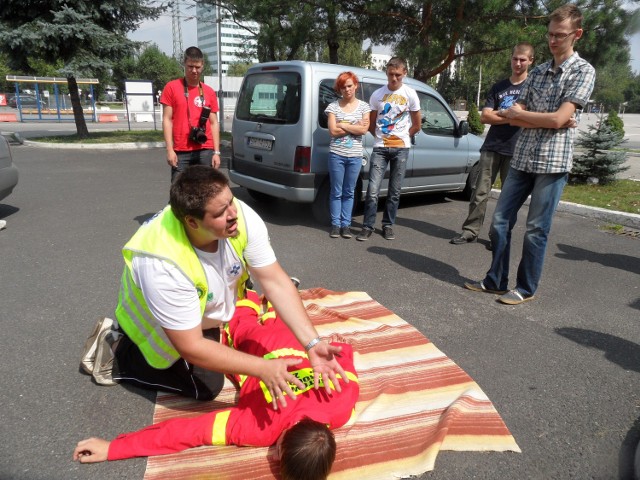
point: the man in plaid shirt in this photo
(546, 108)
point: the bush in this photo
(615, 123)
(598, 163)
(475, 125)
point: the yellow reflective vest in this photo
(164, 237)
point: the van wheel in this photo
(471, 182)
(261, 197)
(320, 206)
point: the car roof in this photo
(362, 73)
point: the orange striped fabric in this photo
(414, 401)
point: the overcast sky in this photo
(160, 33)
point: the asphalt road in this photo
(562, 370)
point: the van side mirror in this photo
(463, 128)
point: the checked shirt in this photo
(546, 150)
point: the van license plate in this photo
(260, 143)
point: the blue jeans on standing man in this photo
(343, 174)
(545, 191)
(380, 158)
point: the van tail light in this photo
(302, 160)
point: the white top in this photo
(348, 145)
(394, 118)
(171, 296)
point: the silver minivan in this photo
(281, 141)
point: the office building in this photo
(233, 37)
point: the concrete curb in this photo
(103, 146)
(631, 220)
(95, 146)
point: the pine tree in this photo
(615, 123)
(598, 163)
(475, 125)
(87, 37)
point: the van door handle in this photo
(258, 158)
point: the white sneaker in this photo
(91, 345)
(3, 224)
(103, 365)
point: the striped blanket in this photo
(414, 401)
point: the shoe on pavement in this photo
(364, 234)
(479, 287)
(103, 367)
(463, 239)
(514, 297)
(3, 224)
(387, 233)
(295, 281)
(335, 232)
(91, 345)
(345, 232)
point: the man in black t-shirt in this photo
(497, 149)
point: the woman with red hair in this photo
(348, 121)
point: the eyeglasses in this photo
(559, 36)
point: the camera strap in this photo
(186, 96)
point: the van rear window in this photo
(270, 97)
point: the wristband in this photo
(216, 152)
(312, 344)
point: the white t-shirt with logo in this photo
(393, 121)
(171, 296)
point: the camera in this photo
(199, 134)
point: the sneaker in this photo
(90, 346)
(295, 281)
(462, 239)
(345, 232)
(514, 297)
(364, 234)
(387, 233)
(103, 367)
(335, 232)
(3, 224)
(479, 287)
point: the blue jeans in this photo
(343, 174)
(380, 158)
(545, 191)
(195, 157)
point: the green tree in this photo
(598, 162)
(5, 86)
(350, 53)
(611, 82)
(88, 37)
(433, 35)
(288, 30)
(475, 125)
(238, 69)
(632, 95)
(615, 123)
(156, 66)
(123, 69)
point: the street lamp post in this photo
(219, 47)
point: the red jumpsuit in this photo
(253, 421)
